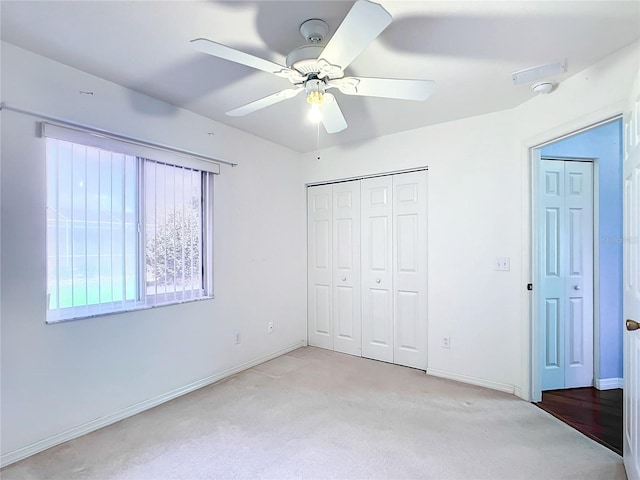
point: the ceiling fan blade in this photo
(364, 22)
(222, 51)
(402, 89)
(265, 102)
(332, 117)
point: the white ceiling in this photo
(469, 48)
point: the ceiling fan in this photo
(315, 69)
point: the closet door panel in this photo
(410, 269)
(408, 321)
(321, 299)
(344, 302)
(347, 322)
(320, 266)
(379, 303)
(377, 272)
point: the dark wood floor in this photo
(596, 413)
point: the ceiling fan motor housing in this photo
(304, 59)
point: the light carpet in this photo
(316, 414)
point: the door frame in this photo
(533, 147)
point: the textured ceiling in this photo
(468, 48)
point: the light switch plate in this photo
(502, 264)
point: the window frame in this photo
(206, 170)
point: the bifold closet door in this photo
(334, 267)
(367, 284)
(410, 269)
(347, 322)
(565, 246)
(320, 266)
(377, 270)
(394, 269)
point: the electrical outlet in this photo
(237, 338)
(270, 327)
(446, 342)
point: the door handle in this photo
(632, 325)
(576, 287)
(377, 280)
(344, 279)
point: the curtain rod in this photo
(114, 136)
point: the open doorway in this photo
(602, 146)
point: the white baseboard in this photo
(609, 383)
(24, 452)
(517, 391)
(503, 387)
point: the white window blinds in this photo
(128, 146)
(123, 231)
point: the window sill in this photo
(94, 311)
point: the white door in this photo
(565, 244)
(319, 268)
(377, 269)
(631, 289)
(346, 268)
(410, 269)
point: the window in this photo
(123, 232)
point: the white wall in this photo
(56, 378)
(478, 210)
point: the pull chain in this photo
(318, 141)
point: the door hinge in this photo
(529, 286)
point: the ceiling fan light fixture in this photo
(315, 91)
(315, 97)
(315, 115)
